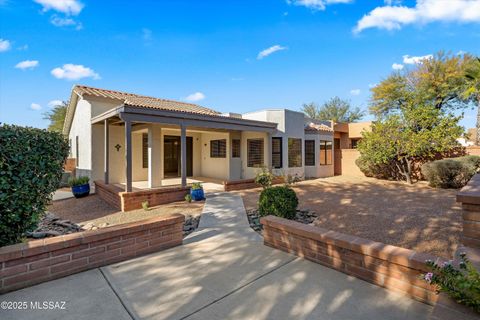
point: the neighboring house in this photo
(123, 138)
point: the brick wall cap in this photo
(401, 256)
(34, 247)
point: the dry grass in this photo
(95, 210)
(411, 216)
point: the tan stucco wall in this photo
(217, 168)
(349, 168)
(355, 129)
(319, 171)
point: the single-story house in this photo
(139, 142)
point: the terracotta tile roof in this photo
(135, 100)
(313, 127)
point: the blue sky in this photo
(210, 52)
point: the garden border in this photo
(385, 265)
(26, 264)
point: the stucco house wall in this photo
(319, 171)
(82, 129)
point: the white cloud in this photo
(74, 72)
(55, 103)
(265, 53)
(27, 64)
(372, 85)
(68, 7)
(415, 60)
(65, 22)
(146, 34)
(35, 106)
(316, 4)
(425, 11)
(4, 45)
(355, 92)
(397, 66)
(197, 96)
(23, 48)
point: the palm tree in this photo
(472, 74)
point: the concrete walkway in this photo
(223, 271)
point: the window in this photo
(277, 153)
(76, 152)
(325, 153)
(309, 152)
(294, 152)
(145, 150)
(235, 148)
(355, 143)
(254, 152)
(218, 148)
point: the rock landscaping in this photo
(190, 225)
(302, 216)
(50, 226)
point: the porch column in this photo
(269, 150)
(154, 156)
(106, 151)
(183, 154)
(128, 155)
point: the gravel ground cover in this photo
(92, 213)
(411, 216)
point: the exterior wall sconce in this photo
(118, 147)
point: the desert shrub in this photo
(264, 178)
(461, 283)
(449, 173)
(31, 162)
(472, 160)
(280, 201)
(197, 186)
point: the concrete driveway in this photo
(223, 271)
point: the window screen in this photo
(255, 152)
(325, 153)
(218, 148)
(309, 152)
(145, 150)
(277, 153)
(294, 152)
(235, 148)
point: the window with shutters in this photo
(235, 148)
(254, 152)
(309, 152)
(218, 148)
(294, 152)
(277, 151)
(325, 153)
(145, 150)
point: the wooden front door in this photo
(172, 155)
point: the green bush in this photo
(461, 283)
(264, 178)
(196, 186)
(31, 163)
(450, 173)
(72, 182)
(280, 201)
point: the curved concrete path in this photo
(223, 271)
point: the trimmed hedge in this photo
(280, 201)
(451, 173)
(31, 165)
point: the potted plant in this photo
(197, 192)
(80, 186)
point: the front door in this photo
(172, 156)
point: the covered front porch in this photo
(140, 149)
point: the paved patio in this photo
(223, 271)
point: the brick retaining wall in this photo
(127, 201)
(469, 196)
(37, 261)
(232, 185)
(388, 266)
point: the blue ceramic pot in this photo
(81, 191)
(197, 194)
